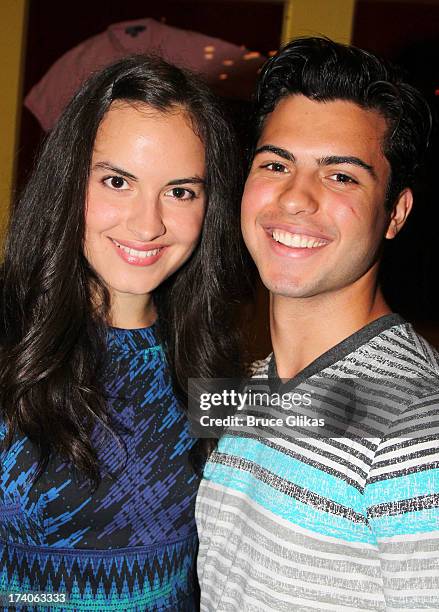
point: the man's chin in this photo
(288, 287)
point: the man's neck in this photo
(302, 329)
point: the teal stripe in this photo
(100, 601)
(403, 487)
(295, 471)
(284, 506)
(408, 523)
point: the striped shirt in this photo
(332, 523)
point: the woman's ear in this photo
(400, 212)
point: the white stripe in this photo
(416, 410)
(422, 555)
(394, 439)
(322, 446)
(399, 609)
(211, 589)
(292, 546)
(277, 519)
(410, 537)
(398, 466)
(422, 429)
(311, 569)
(427, 573)
(412, 593)
(248, 598)
(329, 589)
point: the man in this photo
(321, 522)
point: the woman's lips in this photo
(138, 255)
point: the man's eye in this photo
(339, 177)
(275, 167)
(180, 193)
(115, 182)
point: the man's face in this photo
(313, 215)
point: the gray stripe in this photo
(417, 564)
(314, 446)
(422, 467)
(237, 588)
(416, 431)
(394, 457)
(428, 583)
(421, 602)
(403, 506)
(406, 547)
(424, 453)
(239, 535)
(413, 412)
(212, 497)
(312, 569)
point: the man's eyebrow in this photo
(193, 180)
(324, 161)
(107, 166)
(341, 159)
(277, 151)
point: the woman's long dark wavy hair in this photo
(53, 328)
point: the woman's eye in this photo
(180, 193)
(339, 177)
(275, 167)
(116, 182)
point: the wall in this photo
(12, 27)
(319, 17)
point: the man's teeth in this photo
(297, 240)
(135, 253)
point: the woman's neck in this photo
(128, 311)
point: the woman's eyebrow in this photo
(108, 166)
(193, 180)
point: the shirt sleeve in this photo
(402, 500)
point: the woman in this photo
(106, 283)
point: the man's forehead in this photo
(330, 127)
(296, 108)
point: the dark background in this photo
(407, 33)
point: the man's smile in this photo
(297, 240)
(294, 240)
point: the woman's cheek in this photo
(102, 214)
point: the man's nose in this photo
(299, 195)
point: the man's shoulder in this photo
(425, 351)
(402, 347)
(400, 343)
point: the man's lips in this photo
(295, 241)
(136, 253)
(296, 230)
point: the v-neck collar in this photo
(339, 351)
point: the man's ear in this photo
(400, 212)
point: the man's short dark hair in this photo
(323, 70)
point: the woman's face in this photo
(146, 200)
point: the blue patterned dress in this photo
(131, 544)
